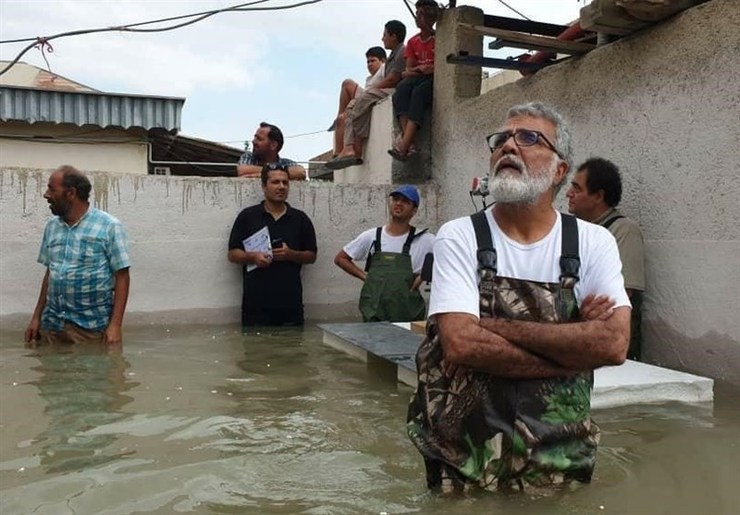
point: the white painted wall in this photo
(178, 229)
(376, 166)
(43, 146)
(110, 157)
(664, 104)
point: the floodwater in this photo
(208, 420)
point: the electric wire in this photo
(43, 42)
(510, 7)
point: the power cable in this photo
(43, 42)
(411, 11)
(510, 7)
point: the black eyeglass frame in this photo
(514, 134)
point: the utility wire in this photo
(411, 11)
(43, 42)
(510, 7)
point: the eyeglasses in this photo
(522, 137)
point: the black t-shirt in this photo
(277, 286)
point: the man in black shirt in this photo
(273, 294)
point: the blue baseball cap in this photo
(408, 191)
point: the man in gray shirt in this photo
(594, 194)
(357, 124)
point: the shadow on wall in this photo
(668, 348)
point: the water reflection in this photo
(83, 387)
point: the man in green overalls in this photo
(394, 255)
(525, 303)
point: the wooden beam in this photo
(531, 42)
(490, 62)
(532, 27)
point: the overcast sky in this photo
(234, 69)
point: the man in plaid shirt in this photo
(85, 288)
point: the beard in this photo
(524, 187)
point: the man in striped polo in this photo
(84, 291)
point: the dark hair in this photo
(376, 51)
(602, 174)
(397, 29)
(429, 9)
(274, 134)
(271, 167)
(73, 178)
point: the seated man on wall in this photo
(413, 95)
(272, 290)
(594, 194)
(266, 145)
(394, 255)
(358, 115)
(375, 59)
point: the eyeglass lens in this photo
(521, 137)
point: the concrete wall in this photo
(178, 229)
(664, 104)
(376, 165)
(43, 146)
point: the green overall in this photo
(476, 429)
(386, 295)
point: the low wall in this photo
(178, 229)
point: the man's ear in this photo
(561, 172)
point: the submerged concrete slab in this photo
(384, 345)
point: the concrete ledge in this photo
(630, 383)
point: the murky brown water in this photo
(207, 420)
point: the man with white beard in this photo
(526, 302)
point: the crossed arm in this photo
(529, 350)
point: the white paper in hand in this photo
(258, 242)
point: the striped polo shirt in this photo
(82, 259)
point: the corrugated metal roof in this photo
(90, 108)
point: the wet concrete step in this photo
(390, 350)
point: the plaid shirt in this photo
(248, 158)
(82, 259)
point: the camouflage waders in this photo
(386, 295)
(475, 429)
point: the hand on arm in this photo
(389, 81)
(345, 262)
(242, 257)
(32, 334)
(113, 334)
(466, 343)
(285, 253)
(425, 69)
(579, 346)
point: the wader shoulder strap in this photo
(374, 248)
(609, 222)
(409, 239)
(570, 264)
(486, 251)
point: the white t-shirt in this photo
(375, 78)
(358, 248)
(455, 275)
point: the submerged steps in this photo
(390, 350)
